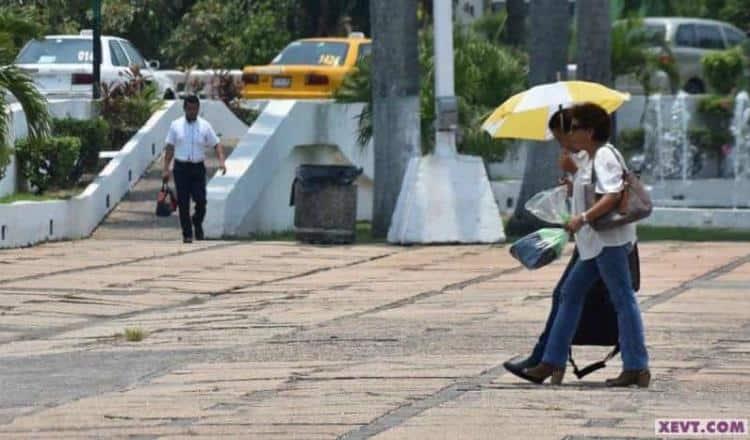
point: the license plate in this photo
(281, 81)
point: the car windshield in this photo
(317, 53)
(57, 51)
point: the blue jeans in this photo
(611, 265)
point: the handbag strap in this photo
(580, 373)
(619, 158)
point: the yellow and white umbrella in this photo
(525, 115)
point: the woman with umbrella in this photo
(603, 255)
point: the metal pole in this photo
(97, 48)
(446, 105)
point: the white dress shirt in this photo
(190, 139)
(589, 241)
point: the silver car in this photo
(689, 40)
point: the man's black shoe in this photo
(198, 232)
(187, 239)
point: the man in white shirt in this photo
(187, 140)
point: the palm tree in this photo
(16, 85)
(548, 60)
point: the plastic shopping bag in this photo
(550, 205)
(539, 248)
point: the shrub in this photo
(723, 70)
(630, 140)
(93, 133)
(5, 154)
(226, 88)
(127, 106)
(716, 114)
(48, 162)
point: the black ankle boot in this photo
(641, 378)
(517, 364)
(540, 372)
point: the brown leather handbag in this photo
(635, 202)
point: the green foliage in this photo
(491, 27)
(228, 90)
(127, 106)
(485, 76)
(229, 33)
(356, 88)
(93, 133)
(5, 155)
(16, 28)
(723, 70)
(49, 162)
(630, 54)
(17, 84)
(716, 113)
(631, 140)
(708, 140)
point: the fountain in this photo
(741, 132)
(668, 151)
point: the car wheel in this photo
(169, 94)
(694, 86)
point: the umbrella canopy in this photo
(525, 115)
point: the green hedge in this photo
(93, 133)
(5, 154)
(723, 70)
(50, 162)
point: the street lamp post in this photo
(446, 104)
(97, 6)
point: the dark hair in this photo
(593, 117)
(560, 120)
(191, 99)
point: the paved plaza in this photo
(282, 340)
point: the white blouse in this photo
(589, 241)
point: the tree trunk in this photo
(594, 41)
(395, 97)
(515, 24)
(548, 59)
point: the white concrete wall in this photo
(27, 223)
(254, 194)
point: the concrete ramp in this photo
(253, 197)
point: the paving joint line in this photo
(195, 300)
(401, 414)
(118, 263)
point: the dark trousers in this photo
(190, 180)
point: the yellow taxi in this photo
(310, 68)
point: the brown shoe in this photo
(642, 378)
(541, 372)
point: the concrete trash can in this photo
(325, 203)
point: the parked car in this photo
(688, 40)
(61, 65)
(311, 68)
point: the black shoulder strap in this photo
(585, 371)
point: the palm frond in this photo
(34, 105)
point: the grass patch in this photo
(656, 233)
(60, 194)
(134, 334)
